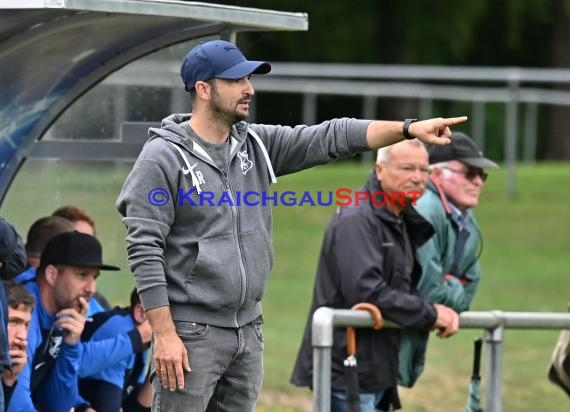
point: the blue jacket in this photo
(59, 385)
(107, 389)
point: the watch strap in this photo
(406, 129)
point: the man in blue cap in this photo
(450, 259)
(201, 269)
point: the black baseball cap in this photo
(462, 149)
(74, 249)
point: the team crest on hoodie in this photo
(245, 163)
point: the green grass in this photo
(525, 263)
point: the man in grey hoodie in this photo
(199, 250)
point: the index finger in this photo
(450, 121)
(84, 305)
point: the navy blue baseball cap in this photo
(218, 58)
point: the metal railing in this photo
(520, 90)
(493, 322)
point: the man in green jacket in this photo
(450, 259)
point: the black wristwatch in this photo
(406, 130)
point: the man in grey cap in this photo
(201, 266)
(450, 259)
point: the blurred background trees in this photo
(524, 33)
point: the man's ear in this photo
(138, 314)
(378, 170)
(436, 172)
(50, 274)
(203, 90)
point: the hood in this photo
(171, 130)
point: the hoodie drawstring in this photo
(195, 181)
(265, 154)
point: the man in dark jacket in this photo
(368, 255)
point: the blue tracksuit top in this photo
(112, 327)
(111, 381)
(60, 392)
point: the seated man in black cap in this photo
(69, 266)
(450, 259)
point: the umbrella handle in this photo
(477, 358)
(350, 331)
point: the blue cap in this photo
(218, 58)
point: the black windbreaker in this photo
(368, 255)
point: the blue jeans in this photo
(227, 370)
(368, 401)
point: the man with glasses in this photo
(450, 259)
(368, 255)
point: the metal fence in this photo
(520, 90)
(493, 322)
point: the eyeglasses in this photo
(409, 168)
(470, 174)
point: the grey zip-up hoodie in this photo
(210, 263)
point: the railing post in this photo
(322, 340)
(494, 340)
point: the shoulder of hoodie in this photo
(158, 147)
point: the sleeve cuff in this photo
(154, 297)
(357, 138)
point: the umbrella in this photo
(350, 363)
(474, 400)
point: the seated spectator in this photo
(84, 223)
(12, 262)
(20, 307)
(120, 385)
(80, 218)
(40, 232)
(65, 281)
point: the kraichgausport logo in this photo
(341, 197)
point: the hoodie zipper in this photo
(236, 227)
(235, 221)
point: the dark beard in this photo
(230, 118)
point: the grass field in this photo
(525, 261)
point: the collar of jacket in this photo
(435, 187)
(419, 229)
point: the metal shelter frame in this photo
(53, 51)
